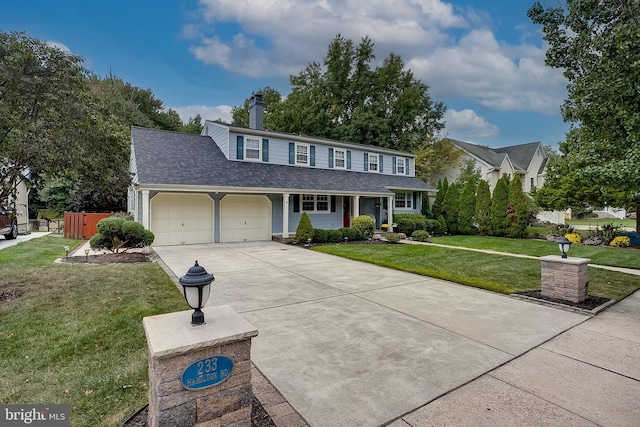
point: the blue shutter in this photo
(406, 166)
(333, 203)
(265, 150)
(366, 162)
(296, 203)
(330, 157)
(415, 200)
(348, 159)
(240, 147)
(393, 165)
(312, 155)
(292, 153)
(381, 163)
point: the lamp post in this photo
(66, 250)
(564, 244)
(86, 256)
(197, 286)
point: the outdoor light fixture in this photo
(564, 244)
(86, 256)
(346, 239)
(66, 249)
(308, 242)
(197, 286)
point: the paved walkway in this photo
(4, 243)
(353, 344)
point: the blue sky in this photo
(483, 59)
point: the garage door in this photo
(245, 218)
(179, 219)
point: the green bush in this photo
(421, 236)
(392, 237)
(365, 225)
(115, 233)
(349, 233)
(335, 236)
(304, 232)
(605, 233)
(408, 223)
(436, 227)
(320, 235)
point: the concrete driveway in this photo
(352, 344)
(4, 243)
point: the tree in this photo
(425, 209)
(304, 232)
(518, 214)
(597, 44)
(451, 208)
(271, 100)
(42, 110)
(469, 172)
(443, 186)
(499, 206)
(483, 209)
(434, 156)
(467, 208)
(344, 99)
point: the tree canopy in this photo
(597, 44)
(346, 99)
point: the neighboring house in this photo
(526, 160)
(235, 183)
(20, 204)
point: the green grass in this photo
(594, 222)
(75, 336)
(616, 257)
(498, 273)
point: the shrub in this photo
(115, 233)
(349, 233)
(408, 223)
(483, 209)
(621, 242)
(434, 227)
(574, 238)
(320, 235)
(335, 236)
(421, 236)
(304, 232)
(500, 206)
(562, 229)
(392, 237)
(606, 233)
(365, 225)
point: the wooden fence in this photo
(82, 225)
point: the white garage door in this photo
(179, 219)
(245, 218)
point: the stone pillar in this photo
(565, 278)
(199, 375)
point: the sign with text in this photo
(34, 415)
(207, 372)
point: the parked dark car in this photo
(8, 223)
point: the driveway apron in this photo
(353, 344)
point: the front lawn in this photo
(603, 255)
(498, 273)
(75, 335)
(594, 222)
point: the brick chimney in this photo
(256, 112)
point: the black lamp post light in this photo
(197, 286)
(564, 244)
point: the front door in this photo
(346, 211)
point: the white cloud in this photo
(467, 125)
(59, 45)
(218, 112)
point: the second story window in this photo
(373, 162)
(400, 165)
(302, 154)
(339, 159)
(252, 149)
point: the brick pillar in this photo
(565, 278)
(174, 345)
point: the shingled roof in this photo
(179, 159)
(520, 155)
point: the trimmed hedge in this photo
(408, 223)
(335, 236)
(320, 235)
(364, 225)
(349, 233)
(421, 236)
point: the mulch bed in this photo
(590, 303)
(120, 258)
(259, 417)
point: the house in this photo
(20, 204)
(234, 183)
(526, 160)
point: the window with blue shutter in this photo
(239, 147)
(265, 150)
(393, 165)
(296, 203)
(330, 157)
(381, 164)
(312, 155)
(292, 154)
(348, 159)
(366, 162)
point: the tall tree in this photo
(271, 100)
(434, 156)
(518, 214)
(500, 206)
(483, 209)
(451, 208)
(467, 207)
(443, 186)
(597, 44)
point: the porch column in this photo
(356, 206)
(145, 209)
(390, 212)
(285, 215)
